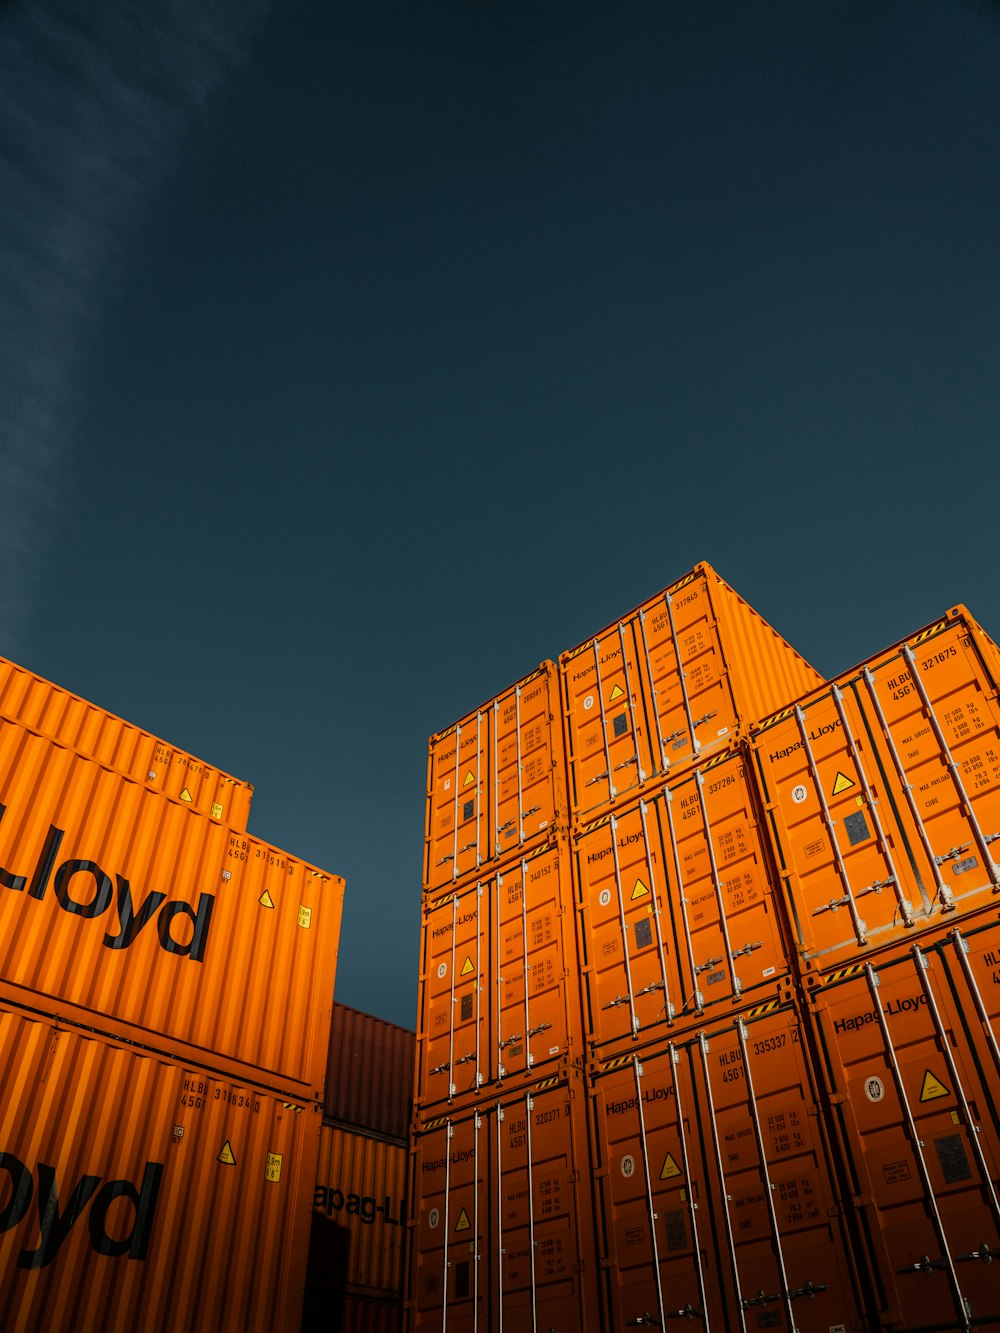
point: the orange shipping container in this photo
(668, 685)
(499, 992)
(361, 1187)
(714, 1188)
(68, 720)
(495, 781)
(503, 1228)
(883, 791)
(909, 1051)
(140, 916)
(678, 913)
(145, 1196)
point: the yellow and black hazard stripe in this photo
(774, 718)
(928, 632)
(290, 1106)
(617, 1062)
(688, 578)
(843, 972)
(434, 1124)
(716, 760)
(545, 1084)
(597, 823)
(763, 1009)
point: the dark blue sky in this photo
(354, 358)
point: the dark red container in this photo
(369, 1074)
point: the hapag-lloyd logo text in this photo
(55, 1219)
(82, 888)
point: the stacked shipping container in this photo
(498, 1152)
(778, 1110)
(355, 1277)
(166, 984)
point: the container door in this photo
(914, 1107)
(452, 1053)
(448, 1257)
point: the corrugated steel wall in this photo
(369, 1073)
(361, 1186)
(160, 920)
(91, 731)
(144, 1196)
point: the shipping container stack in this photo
(782, 1094)
(882, 792)
(355, 1274)
(502, 1230)
(713, 1190)
(166, 986)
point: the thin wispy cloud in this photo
(95, 103)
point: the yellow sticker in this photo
(639, 891)
(216, 810)
(226, 1155)
(305, 916)
(468, 966)
(616, 693)
(843, 783)
(265, 899)
(470, 777)
(272, 1169)
(669, 1168)
(933, 1088)
(463, 1222)
(955, 1118)
(186, 795)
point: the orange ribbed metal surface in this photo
(159, 921)
(499, 991)
(369, 1073)
(883, 791)
(495, 781)
(714, 1188)
(909, 1047)
(143, 1196)
(668, 685)
(71, 721)
(503, 1237)
(361, 1186)
(679, 918)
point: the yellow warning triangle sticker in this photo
(463, 1222)
(467, 966)
(186, 795)
(265, 899)
(616, 693)
(669, 1169)
(469, 777)
(933, 1088)
(639, 891)
(226, 1155)
(842, 783)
